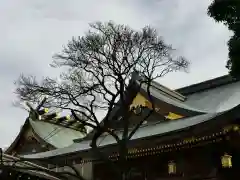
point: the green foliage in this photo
(233, 63)
(228, 12)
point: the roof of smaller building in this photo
(57, 136)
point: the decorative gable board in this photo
(28, 143)
(141, 100)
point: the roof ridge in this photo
(168, 91)
(163, 89)
(207, 84)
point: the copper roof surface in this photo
(56, 135)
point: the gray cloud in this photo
(32, 31)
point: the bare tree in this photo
(97, 77)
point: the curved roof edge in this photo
(171, 101)
(19, 135)
(162, 89)
(55, 135)
(41, 136)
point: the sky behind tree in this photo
(32, 31)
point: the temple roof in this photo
(158, 129)
(215, 95)
(163, 96)
(160, 97)
(216, 99)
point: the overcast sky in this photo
(33, 30)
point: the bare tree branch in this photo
(99, 68)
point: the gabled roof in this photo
(55, 135)
(215, 95)
(167, 92)
(160, 98)
(136, 78)
(161, 94)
